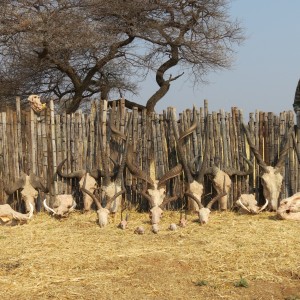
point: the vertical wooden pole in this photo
(19, 134)
(53, 143)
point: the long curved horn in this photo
(98, 203)
(284, 151)
(170, 174)
(73, 206)
(124, 158)
(37, 183)
(76, 174)
(255, 151)
(212, 171)
(110, 200)
(181, 157)
(203, 169)
(49, 209)
(167, 200)
(117, 132)
(148, 198)
(242, 205)
(171, 198)
(213, 200)
(20, 217)
(233, 171)
(188, 131)
(134, 170)
(12, 187)
(200, 205)
(264, 206)
(97, 173)
(191, 165)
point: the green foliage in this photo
(201, 283)
(241, 283)
(292, 297)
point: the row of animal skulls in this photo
(289, 209)
(154, 190)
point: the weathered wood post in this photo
(296, 104)
(52, 171)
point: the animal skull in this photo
(155, 228)
(157, 194)
(110, 190)
(29, 185)
(103, 212)
(289, 208)
(156, 214)
(156, 191)
(204, 213)
(87, 178)
(271, 177)
(248, 204)
(222, 182)
(91, 185)
(196, 190)
(35, 103)
(103, 216)
(62, 206)
(8, 216)
(272, 181)
(29, 194)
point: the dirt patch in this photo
(232, 257)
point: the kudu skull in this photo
(91, 181)
(194, 180)
(271, 177)
(103, 211)
(112, 186)
(29, 185)
(204, 211)
(194, 186)
(155, 191)
(221, 178)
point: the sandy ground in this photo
(232, 257)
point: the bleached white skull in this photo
(62, 206)
(248, 204)
(289, 208)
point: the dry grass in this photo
(76, 259)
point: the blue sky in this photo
(266, 70)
